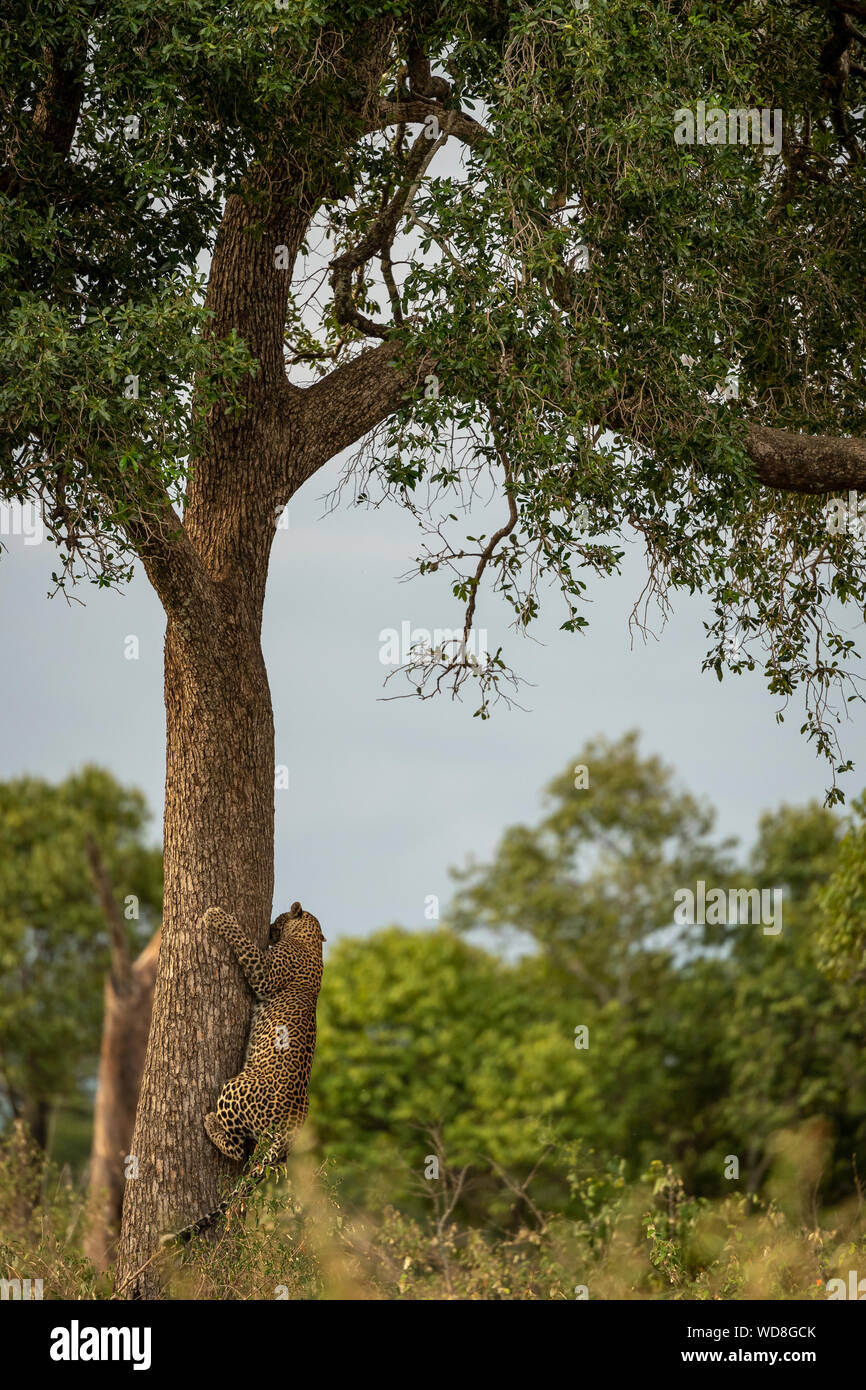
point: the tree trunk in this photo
(210, 572)
(126, 1024)
(218, 852)
(36, 1114)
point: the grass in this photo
(644, 1239)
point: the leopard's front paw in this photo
(214, 921)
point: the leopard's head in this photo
(297, 925)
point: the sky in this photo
(385, 795)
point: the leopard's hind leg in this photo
(224, 1125)
(228, 1144)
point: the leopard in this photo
(266, 1104)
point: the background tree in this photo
(53, 933)
(793, 1038)
(592, 886)
(127, 1009)
(705, 1040)
(843, 905)
(523, 318)
(436, 1037)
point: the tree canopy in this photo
(477, 249)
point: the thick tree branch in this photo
(353, 400)
(228, 515)
(55, 114)
(249, 464)
(175, 570)
(808, 463)
(416, 110)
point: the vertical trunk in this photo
(219, 788)
(218, 852)
(37, 1115)
(128, 1006)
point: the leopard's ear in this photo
(295, 910)
(274, 934)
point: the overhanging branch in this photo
(807, 463)
(352, 400)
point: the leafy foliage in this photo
(53, 936)
(703, 1041)
(843, 936)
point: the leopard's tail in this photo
(196, 1227)
(245, 1187)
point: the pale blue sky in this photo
(384, 796)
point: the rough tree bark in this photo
(126, 1023)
